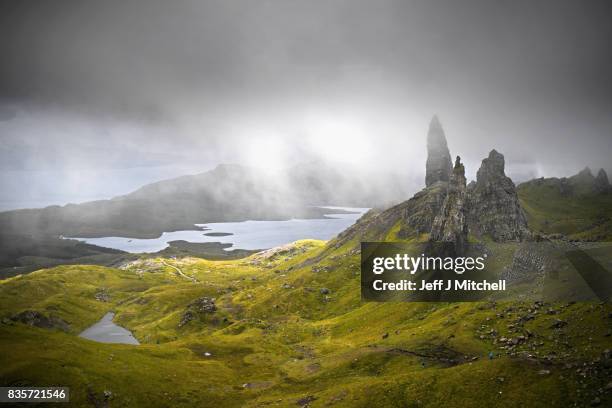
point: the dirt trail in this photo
(180, 272)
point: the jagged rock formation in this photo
(446, 208)
(450, 225)
(585, 183)
(601, 181)
(438, 166)
(493, 203)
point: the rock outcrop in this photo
(601, 181)
(446, 209)
(422, 209)
(586, 183)
(414, 216)
(584, 176)
(494, 207)
(450, 225)
(200, 306)
(38, 319)
(438, 167)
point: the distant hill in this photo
(29, 238)
(579, 207)
(227, 193)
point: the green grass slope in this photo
(580, 216)
(290, 329)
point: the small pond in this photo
(105, 331)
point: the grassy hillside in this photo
(290, 329)
(580, 216)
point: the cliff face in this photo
(438, 167)
(450, 225)
(423, 208)
(494, 207)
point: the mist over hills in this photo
(227, 193)
(30, 238)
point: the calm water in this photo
(245, 234)
(105, 331)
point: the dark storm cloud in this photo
(143, 56)
(530, 78)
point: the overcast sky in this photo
(118, 93)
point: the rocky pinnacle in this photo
(601, 181)
(493, 202)
(438, 167)
(451, 224)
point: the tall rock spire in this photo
(438, 167)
